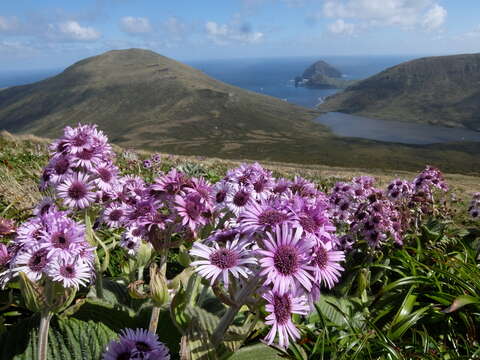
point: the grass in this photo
(146, 101)
(22, 158)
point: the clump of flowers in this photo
(474, 208)
(81, 169)
(364, 211)
(51, 246)
(172, 204)
(136, 344)
(272, 233)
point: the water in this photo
(394, 131)
(275, 77)
(272, 76)
(15, 78)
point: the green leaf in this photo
(70, 339)
(405, 308)
(258, 351)
(32, 293)
(461, 301)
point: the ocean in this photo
(273, 76)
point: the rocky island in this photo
(321, 75)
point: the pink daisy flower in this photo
(106, 176)
(264, 216)
(114, 215)
(191, 209)
(326, 263)
(76, 191)
(239, 197)
(33, 262)
(70, 271)
(218, 261)
(286, 259)
(281, 307)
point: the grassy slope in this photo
(438, 90)
(138, 96)
(22, 158)
(144, 100)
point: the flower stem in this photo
(99, 281)
(152, 327)
(45, 317)
(232, 311)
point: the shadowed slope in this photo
(441, 90)
(138, 97)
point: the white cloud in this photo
(8, 23)
(72, 30)
(223, 34)
(340, 27)
(434, 18)
(403, 13)
(175, 28)
(135, 25)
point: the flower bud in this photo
(134, 290)
(143, 254)
(158, 286)
(183, 257)
(32, 293)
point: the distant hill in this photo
(443, 90)
(146, 100)
(321, 75)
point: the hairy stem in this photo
(152, 327)
(232, 311)
(99, 281)
(45, 317)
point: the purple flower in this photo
(326, 264)
(156, 158)
(474, 208)
(239, 197)
(76, 191)
(219, 194)
(191, 210)
(119, 350)
(218, 261)
(285, 261)
(32, 261)
(136, 344)
(45, 206)
(62, 236)
(147, 164)
(114, 215)
(60, 166)
(263, 216)
(131, 239)
(4, 255)
(105, 176)
(7, 226)
(70, 271)
(171, 183)
(281, 307)
(303, 187)
(281, 186)
(399, 190)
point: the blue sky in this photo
(52, 33)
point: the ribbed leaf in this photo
(258, 351)
(69, 339)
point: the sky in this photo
(55, 33)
